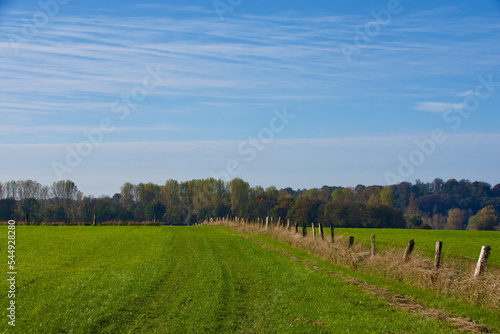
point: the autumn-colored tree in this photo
(128, 194)
(28, 189)
(456, 219)
(412, 208)
(486, 219)
(65, 194)
(147, 192)
(305, 211)
(324, 193)
(11, 189)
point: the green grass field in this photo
(463, 245)
(201, 279)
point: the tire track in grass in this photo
(196, 294)
(393, 299)
(231, 290)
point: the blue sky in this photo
(184, 90)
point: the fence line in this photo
(267, 223)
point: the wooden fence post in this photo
(279, 222)
(267, 222)
(408, 250)
(321, 231)
(437, 256)
(296, 227)
(94, 220)
(304, 229)
(481, 263)
(314, 230)
(372, 253)
(288, 225)
(332, 234)
(351, 241)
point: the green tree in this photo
(220, 199)
(30, 207)
(239, 194)
(170, 198)
(312, 194)
(53, 214)
(281, 210)
(155, 211)
(383, 216)
(343, 214)
(7, 209)
(386, 196)
(305, 210)
(87, 209)
(344, 194)
(414, 221)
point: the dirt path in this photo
(393, 299)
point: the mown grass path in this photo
(184, 280)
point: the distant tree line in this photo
(438, 205)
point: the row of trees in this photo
(438, 204)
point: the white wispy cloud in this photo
(68, 129)
(438, 107)
(79, 65)
(464, 94)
